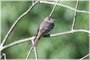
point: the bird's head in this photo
(49, 19)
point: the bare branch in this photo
(31, 38)
(53, 8)
(68, 32)
(74, 18)
(84, 57)
(46, 2)
(17, 42)
(35, 51)
(15, 23)
(29, 52)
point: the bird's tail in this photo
(36, 40)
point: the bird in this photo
(45, 27)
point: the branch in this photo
(35, 51)
(54, 8)
(68, 32)
(46, 2)
(15, 23)
(16, 42)
(75, 13)
(29, 52)
(84, 57)
(31, 38)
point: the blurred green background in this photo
(70, 46)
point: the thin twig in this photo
(17, 42)
(68, 32)
(84, 57)
(74, 18)
(36, 53)
(35, 50)
(31, 38)
(53, 8)
(15, 23)
(59, 4)
(29, 52)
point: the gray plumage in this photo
(45, 27)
